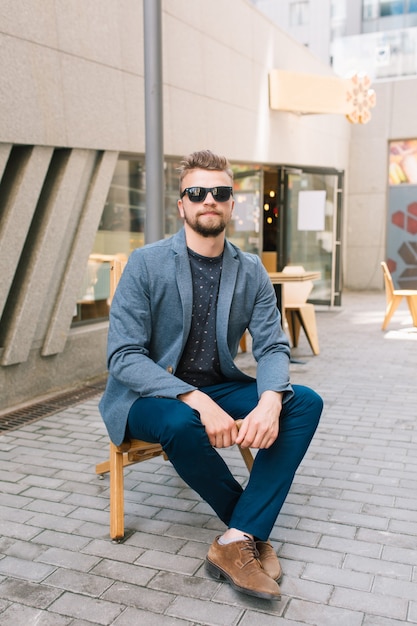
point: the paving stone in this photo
(194, 549)
(124, 572)
(67, 558)
(338, 577)
(377, 620)
(306, 589)
(90, 609)
(166, 502)
(406, 541)
(213, 614)
(139, 597)
(400, 555)
(397, 588)
(91, 515)
(330, 529)
(55, 522)
(61, 540)
(20, 615)
(50, 508)
(21, 568)
(23, 550)
(146, 618)
(350, 546)
(14, 515)
(169, 562)
(114, 551)
(78, 582)
(156, 542)
(322, 614)
(252, 618)
(31, 594)
(384, 605)
(192, 518)
(188, 586)
(93, 530)
(378, 566)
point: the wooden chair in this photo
(132, 451)
(298, 312)
(394, 297)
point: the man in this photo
(179, 312)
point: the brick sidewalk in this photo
(347, 535)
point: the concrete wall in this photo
(72, 98)
(365, 227)
(216, 87)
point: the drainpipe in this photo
(154, 151)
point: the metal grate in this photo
(33, 412)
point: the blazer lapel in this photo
(184, 282)
(226, 291)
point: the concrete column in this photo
(154, 154)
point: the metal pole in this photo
(152, 26)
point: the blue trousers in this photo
(177, 427)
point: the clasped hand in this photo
(259, 429)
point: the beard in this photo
(211, 229)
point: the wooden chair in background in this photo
(298, 312)
(132, 451)
(394, 297)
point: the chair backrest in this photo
(269, 260)
(117, 266)
(296, 292)
(389, 283)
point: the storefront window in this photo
(403, 162)
(373, 9)
(393, 7)
(122, 228)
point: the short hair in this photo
(204, 160)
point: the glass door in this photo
(309, 227)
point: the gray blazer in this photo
(150, 320)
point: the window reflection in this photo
(122, 228)
(120, 231)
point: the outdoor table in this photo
(278, 278)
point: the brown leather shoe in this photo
(238, 562)
(269, 560)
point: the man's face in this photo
(209, 217)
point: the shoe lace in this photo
(249, 546)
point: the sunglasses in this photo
(199, 194)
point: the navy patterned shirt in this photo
(199, 364)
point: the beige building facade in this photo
(72, 102)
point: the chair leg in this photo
(116, 494)
(392, 306)
(294, 326)
(412, 305)
(307, 318)
(247, 457)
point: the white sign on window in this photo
(311, 210)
